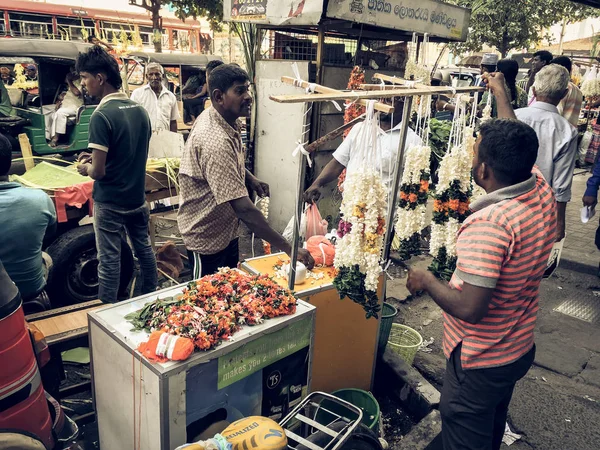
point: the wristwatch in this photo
(444, 108)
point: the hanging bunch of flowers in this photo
(411, 215)
(363, 208)
(590, 87)
(452, 193)
(353, 110)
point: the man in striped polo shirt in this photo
(491, 304)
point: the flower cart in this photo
(259, 369)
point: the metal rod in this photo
(299, 200)
(398, 169)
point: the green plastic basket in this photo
(405, 342)
(388, 312)
(363, 399)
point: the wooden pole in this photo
(370, 95)
(333, 134)
(326, 90)
(26, 151)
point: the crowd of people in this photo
(523, 158)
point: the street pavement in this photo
(557, 404)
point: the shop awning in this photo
(371, 19)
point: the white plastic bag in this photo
(288, 233)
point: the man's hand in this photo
(495, 82)
(588, 200)
(312, 194)
(305, 258)
(261, 188)
(440, 105)
(418, 280)
(85, 158)
(83, 169)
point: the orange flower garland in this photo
(210, 310)
(353, 110)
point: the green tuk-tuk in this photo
(53, 60)
(34, 100)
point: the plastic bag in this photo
(315, 225)
(583, 147)
(288, 233)
(322, 250)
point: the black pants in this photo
(193, 107)
(474, 403)
(209, 264)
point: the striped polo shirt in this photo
(503, 245)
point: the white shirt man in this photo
(388, 143)
(557, 137)
(342, 158)
(158, 101)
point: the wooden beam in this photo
(390, 79)
(371, 95)
(333, 134)
(26, 151)
(326, 90)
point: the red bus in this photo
(28, 19)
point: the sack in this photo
(315, 225)
(583, 147)
(322, 250)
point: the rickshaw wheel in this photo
(73, 277)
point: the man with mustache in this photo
(214, 183)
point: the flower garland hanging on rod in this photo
(353, 110)
(451, 197)
(411, 215)
(363, 208)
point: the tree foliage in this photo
(515, 24)
(212, 10)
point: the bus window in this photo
(30, 25)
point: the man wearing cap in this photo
(158, 101)
(31, 73)
(488, 64)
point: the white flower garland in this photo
(455, 165)
(363, 206)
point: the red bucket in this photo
(23, 404)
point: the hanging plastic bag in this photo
(315, 225)
(322, 250)
(288, 233)
(583, 147)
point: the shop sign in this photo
(420, 16)
(262, 352)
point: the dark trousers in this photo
(110, 223)
(193, 107)
(474, 403)
(209, 264)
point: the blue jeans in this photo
(110, 222)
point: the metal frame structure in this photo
(407, 89)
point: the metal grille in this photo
(338, 51)
(303, 47)
(582, 308)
